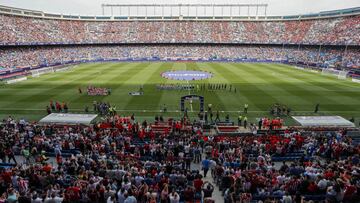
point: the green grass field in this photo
(259, 85)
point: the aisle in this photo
(217, 193)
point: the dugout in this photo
(69, 119)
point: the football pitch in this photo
(258, 85)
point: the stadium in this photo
(179, 103)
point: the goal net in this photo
(38, 72)
(342, 75)
(330, 71)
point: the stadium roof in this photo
(235, 14)
(93, 7)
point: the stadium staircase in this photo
(289, 156)
(355, 136)
(314, 198)
(64, 153)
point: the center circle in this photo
(186, 75)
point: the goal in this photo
(342, 75)
(329, 71)
(38, 72)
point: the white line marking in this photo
(155, 111)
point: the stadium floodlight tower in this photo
(184, 11)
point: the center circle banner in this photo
(186, 75)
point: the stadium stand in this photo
(49, 56)
(93, 163)
(31, 31)
(122, 160)
(320, 41)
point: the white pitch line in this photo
(155, 111)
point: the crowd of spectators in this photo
(27, 30)
(97, 91)
(107, 164)
(329, 31)
(45, 56)
(245, 169)
(122, 160)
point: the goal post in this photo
(38, 72)
(35, 73)
(329, 71)
(342, 75)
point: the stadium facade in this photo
(32, 39)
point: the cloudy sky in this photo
(92, 7)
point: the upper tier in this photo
(25, 30)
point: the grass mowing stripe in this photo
(39, 94)
(216, 100)
(282, 85)
(261, 98)
(102, 80)
(324, 78)
(151, 98)
(119, 95)
(120, 75)
(244, 84)
(30, 83)
(126, 77)
(54, 77)
(42, 97)
(83, 68)
(331, 100)
(239, 98)
(171, 98)
(320, 81)
(39, 82)
(141, 110)
(320, 97)
(88, 99)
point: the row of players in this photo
(197, 87)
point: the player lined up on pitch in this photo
(197, 87)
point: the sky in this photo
(93, 7)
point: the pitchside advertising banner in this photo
(186, 75)
(136, 93)
(16, 80)
(356, 80)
